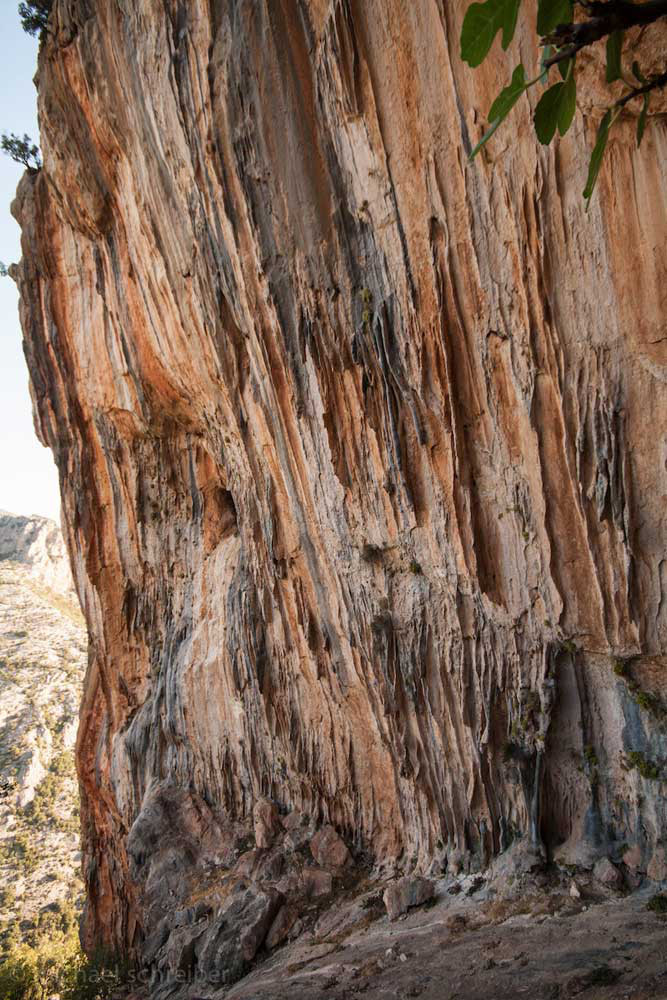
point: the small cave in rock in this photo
(565, 788)
(219, 519)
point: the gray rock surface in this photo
(606, 873)
(329, 849)
(266, 822)
(542, 945)
(405, 893)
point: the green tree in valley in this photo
(561, 38)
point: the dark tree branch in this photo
(615, 15)
(655, 83)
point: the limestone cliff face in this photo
(37, 545)
(362, 446)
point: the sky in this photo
(28, 478)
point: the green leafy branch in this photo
(561, 39)
(34, 16)
(23, 151)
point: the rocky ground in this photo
(289, 911)
(543, 945)
(42, 660)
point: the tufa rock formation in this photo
(361, 446)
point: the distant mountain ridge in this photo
(37, 543)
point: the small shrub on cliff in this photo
(621, 668)
(7, 898)
(34, 16)
(561, 39)
(23, 151)
(20, 849)
(658, 904)
(636, 761)
(63, 764)
(649, 702)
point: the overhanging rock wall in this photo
(362, 446)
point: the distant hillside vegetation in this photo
(42, 661)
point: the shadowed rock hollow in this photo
(361, 445)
